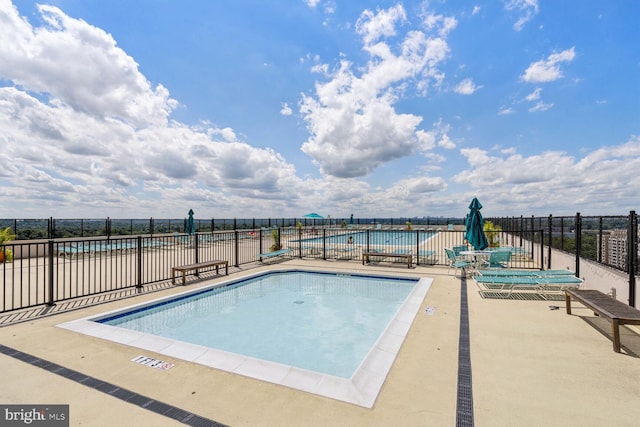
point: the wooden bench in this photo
(196, 267)
(274, 253)
(366, 255)
(617, 312)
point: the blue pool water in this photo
(322, 322)
(396, 238)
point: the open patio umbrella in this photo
(313, 215)
(475, 226)
(190, 227)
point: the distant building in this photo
(614, 248)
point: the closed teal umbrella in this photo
(190, 228)
(475, 226)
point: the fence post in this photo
(600, 234)
(51, 302)
(521, 228)
(139, 285)
(542, 246)
(578, 232)
(632, 255)
(237, 247)
(195, 248)
(324, 243)
(549, 251)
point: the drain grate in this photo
(464, 407)
(153, 405)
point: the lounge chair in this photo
(455, 262)
(544, 286)
(528, 273)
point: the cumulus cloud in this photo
(353, 124)
(548, 70)
(81, 66)
(80, 119)
(604, 177)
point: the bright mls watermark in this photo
(36, 415)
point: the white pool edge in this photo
(362, 389)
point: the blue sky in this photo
(149, 108)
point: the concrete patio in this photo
(531, 365)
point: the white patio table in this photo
(476, 257)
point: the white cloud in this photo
(348, 139)
(286, 110)
(87, 126)
(446, 142)
(442, 24)
(534, 96)
(373, 26)
(467, 87)
(541, 106)
(602, 178)
(526, 9)
(81, 66)
(548, 70)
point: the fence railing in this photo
(55, 270)
(608, 240)
(57, 228)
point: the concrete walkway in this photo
(531, 365)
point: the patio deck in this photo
(531, 365)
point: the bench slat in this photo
(367, 255)
(617, 312)
(605, 305)
(184, 268)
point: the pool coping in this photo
(361, 389)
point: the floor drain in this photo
(298, 302)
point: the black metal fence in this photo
(56, 228)
(54, 270)
(607, 240)
(45, 271)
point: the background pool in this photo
(396, 238)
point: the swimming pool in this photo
(339, 332)
(384, 237)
